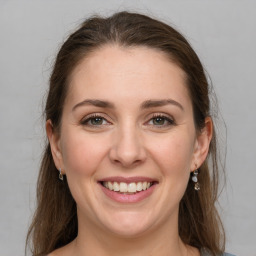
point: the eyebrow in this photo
(160, 103)
(145, 105)
(96, 103)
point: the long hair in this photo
(55, 220)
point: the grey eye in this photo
(96, 121)
(159, 120)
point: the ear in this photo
(54, 140)
(202, 144)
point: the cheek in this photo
(82, 153)
(174, 154)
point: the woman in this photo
(126, 170)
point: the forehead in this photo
(128, 72)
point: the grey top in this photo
(225, 254)
(204, 252)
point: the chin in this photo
(128, 225)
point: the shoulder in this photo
(58, 252)
(227, 254)
(66, 250)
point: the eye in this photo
(94, 120)
(161, 121)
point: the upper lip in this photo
(128, 179)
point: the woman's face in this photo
(128, 141)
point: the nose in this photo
(127, 149)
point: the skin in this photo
(128, 141)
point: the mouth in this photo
(128, 190)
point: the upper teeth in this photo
(124, 187)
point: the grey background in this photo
(222, 32)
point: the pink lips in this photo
(128, 198)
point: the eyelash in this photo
(166, 119)
(93, 117)
(89, 118)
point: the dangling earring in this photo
(60, 175)
(195, 179)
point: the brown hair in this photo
(55, 220)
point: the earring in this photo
(60, 175)
(195, 179)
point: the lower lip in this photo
(132, 198)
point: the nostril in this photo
(127, 152)
(126, 163)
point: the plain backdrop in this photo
(222, 32)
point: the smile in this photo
(127, 188)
